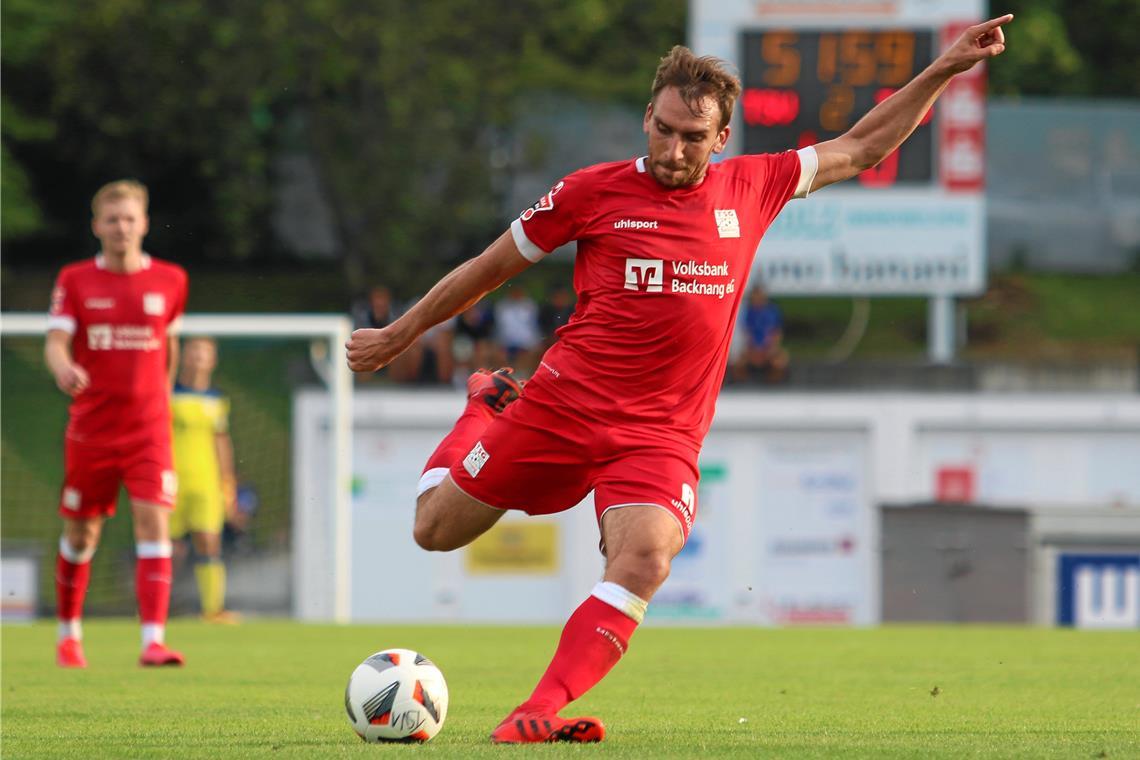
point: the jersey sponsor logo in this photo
(645, 274)
(635, 224)
(727, 225)
(474, 461)
(687, 504)
(545, 203)
(154, 304)
(99, 337)
(99, 303)
(72, 498)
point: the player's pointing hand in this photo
(370, 349)
(977, 43)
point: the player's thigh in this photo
(91, 479)
(447, 518)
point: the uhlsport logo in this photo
(644, 274)
(635, 224)
(687, 504)
(545, 203)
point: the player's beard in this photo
(673, 177)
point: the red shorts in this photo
(93, 474)
(541, 459)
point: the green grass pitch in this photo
(274, 689)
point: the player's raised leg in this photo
(72, 576)
(641, 542)
(447, 518)
(152, 581)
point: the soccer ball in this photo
(396, 695)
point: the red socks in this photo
(152, 581)
(72, 576)
(594, 639)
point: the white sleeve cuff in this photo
(529, 250)
(809, 164)
(61, 322)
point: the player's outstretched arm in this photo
(886, 125)
(371, 349)
(69, 376)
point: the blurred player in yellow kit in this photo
(204, 461)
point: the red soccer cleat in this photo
(531, 728)
(495, 389)
(157, 654)
(69, 654)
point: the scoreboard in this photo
(805, 86)
(810, 69)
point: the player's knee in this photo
(646, 569)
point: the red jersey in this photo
(119, 325)
(659, 275)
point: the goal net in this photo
(264, 361)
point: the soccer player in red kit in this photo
(621, 403)
(111, 347)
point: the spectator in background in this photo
(763, 328)
(516, 320)
(555, 313)
(474, 343)
(375, 311)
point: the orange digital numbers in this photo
(778, 49)
(861, 58)
(835, 113)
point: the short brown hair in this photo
(698, 78)
(122, 188)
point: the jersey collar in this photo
(101, 261)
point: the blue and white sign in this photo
(1098, 590)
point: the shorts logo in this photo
(687, 504)
(545, 203)
(99, 337)
(726, 222)
(154, 304)
(71, 498)
(169, 483)
(474, 461)
(644, 274)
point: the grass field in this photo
(275, 689)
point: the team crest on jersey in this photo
(154, 304)
(545, 203)
(476, 459)
(72, 498)
(726, 222)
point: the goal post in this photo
(328, 333)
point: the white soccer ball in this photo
(396, 695)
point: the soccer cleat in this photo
(157, 654)
(222, 617)
(496, 389)
(531, 728)
(69, 654)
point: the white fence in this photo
(787, 525)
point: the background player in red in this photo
(110, 346)
(621, 403)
